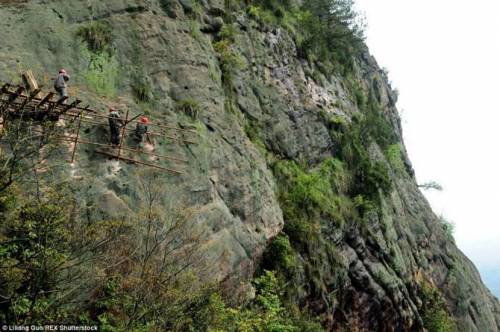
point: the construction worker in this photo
(60, 84)
(141, 129)
(115, 123)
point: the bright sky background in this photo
(444, 58)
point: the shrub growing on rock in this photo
(190, 107)
(97, 35)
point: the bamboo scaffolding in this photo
(19, 103)
(141, 163)
(154, 125)
(5, 88)
(172, 171)
(12, 98)
(44, 100)
(32, 96)
(131, 130)
(7, 92)
(72, 140)
(70, 112)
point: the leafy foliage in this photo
(369, 176)
(431, 185)
(394, 156)
(448, 227)
(329, 31)
(280, 255)
(35, 245)
(190, 107)
(307, 196)
(434, 311)
(230, 61)
(332, 33)
(102, 73)
(42, 251)
(97, 35)
(141, 88)
(265, 313)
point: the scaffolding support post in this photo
(122, 135)
(77, 136)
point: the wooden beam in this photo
(66, 108)
(12, 98)
(175, 128)
(155, 125)
(135, 117)
(61, 101)
(139, 162)
(45, 99)
(28, 99)
(71, 139)
(30, 81)
(151, 133)
(57, 103)
(5, 88)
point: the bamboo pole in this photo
(122, 135)
(130, 130)
(12, 98)
(51, 94)
(45, 99)
(6, 91)
(31, 97)
(76, 138)
(155, 125)
(54, 106)
(71, 139)
(140, 162)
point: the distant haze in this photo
(444, 58)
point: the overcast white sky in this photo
(444, 58)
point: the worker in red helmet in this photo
(60, 84)
(115, 123)
(141, 129)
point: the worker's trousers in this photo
(115, 136)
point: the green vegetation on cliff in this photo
(297, 210)
(435, 314)
(327, 31)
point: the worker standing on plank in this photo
(60, 84)
(141, 129)
(115, 123)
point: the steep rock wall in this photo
(276, 102)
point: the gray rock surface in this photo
(227, 183)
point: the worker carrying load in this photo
(115, 123)
(141, 129)
(60, 84)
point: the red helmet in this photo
(112, 109)
(144, 120)
(62, 71)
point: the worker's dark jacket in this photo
(115, 122)
(140, 130)
(60, 82)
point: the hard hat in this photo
(112, 109)
(144, 120)
(62, 71)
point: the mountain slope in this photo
(297, 169)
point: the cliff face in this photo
(271, 111)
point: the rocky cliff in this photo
(298, 169)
